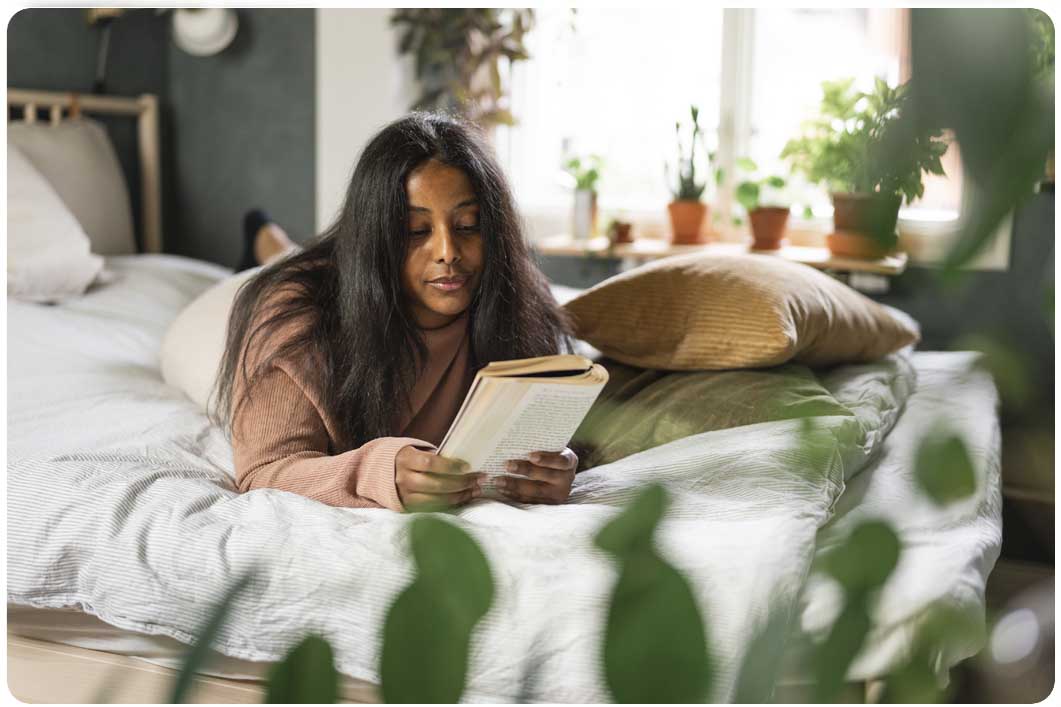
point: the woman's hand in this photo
(427, 482)
(549, 477)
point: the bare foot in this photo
(270, 242)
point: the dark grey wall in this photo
(242, 135)
(54, 49)
(1014, 306)
(237, 128)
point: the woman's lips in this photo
(448, 284)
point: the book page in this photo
(545, 420)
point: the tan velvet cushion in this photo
(711, 312)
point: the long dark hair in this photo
(346, 285)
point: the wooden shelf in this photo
(646, 249)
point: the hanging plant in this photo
(458, 55)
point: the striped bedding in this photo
(121, 503)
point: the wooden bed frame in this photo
(143, 107)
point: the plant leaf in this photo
(747, 164)
(655, 645)
(427, 632)
(834, 656)
(205, 638)
(307, 675)
(866, 557)
(944, 469)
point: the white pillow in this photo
(195, 341)
(78, 160)
(48, 254)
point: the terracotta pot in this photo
(864, 224)
(768, 226)
(621, 232)
(687, 220)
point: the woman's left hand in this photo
(549, 477)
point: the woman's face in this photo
(444, 261)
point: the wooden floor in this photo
(41, 671)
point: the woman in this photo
(346, 362)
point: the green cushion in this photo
(643, 408)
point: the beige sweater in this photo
(284, 439)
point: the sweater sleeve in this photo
(281, 442)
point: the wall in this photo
(362, 85)
(54, 49)
(242, 135)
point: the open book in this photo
(521, 406)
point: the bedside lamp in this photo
(199, 32)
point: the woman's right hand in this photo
(427, 482)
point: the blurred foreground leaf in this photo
(861, 564)
(655, 647)
(762, 662)
(843, 643)
(866, 559)
(962, 60)
(1008, 367)
(206, 636)
(306, 675)
(427, 633)
(916, 680)
(944, 469)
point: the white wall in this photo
(362, 85)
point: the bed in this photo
(126, 526)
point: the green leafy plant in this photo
(458, 54)
(688, 187)
(861, 143)
(750, 191)
(586, 171)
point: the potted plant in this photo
(586, 173)
(687, 211)
(459, 55)
(869, 159)
(619, 231)
(767, 219)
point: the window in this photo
(616, 83)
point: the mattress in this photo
(130, 514)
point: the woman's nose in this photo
(445, 246)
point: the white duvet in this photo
(120, 502)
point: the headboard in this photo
(143, 107)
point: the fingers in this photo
(538, 473)
(427, 482)
(422, 502)
(420, 460)
(562, 460)
(531, 491)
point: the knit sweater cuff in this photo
(377, 479)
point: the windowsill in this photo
(926, 242)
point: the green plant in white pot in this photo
(870, 160)
(761, 199)
(586, 173)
